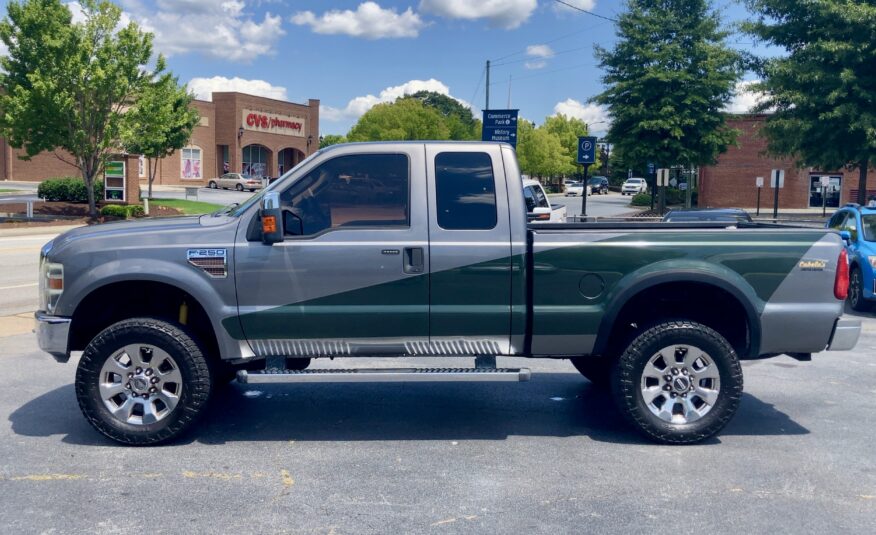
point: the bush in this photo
(114, 210)
(641, 199)
(135, 210)
(67, 189)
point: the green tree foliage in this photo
(540, 153)
(824, 91)
(160, 122)
(459, 119)
(567, 130)
(68, 85)
(667, 78)
(404, 119)
(331, 139)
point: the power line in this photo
(582, 10)
(546, 73)
(475, 93)
(560, 38)
(537, 58)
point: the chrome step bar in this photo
(386, 375)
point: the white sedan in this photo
(575, 189)
(236, 181)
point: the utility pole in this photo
(488, 86)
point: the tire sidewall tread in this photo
(626, 381)
(193, 365)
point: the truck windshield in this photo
(869, 224)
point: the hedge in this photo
(67, 189)
(121, 211)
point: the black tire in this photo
(192, 366)
(252, 190)
(212, 185)
(297, 364)
(597, 370)
(856, 291)
(239, 187)
(627, 382)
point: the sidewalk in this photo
(36, 231)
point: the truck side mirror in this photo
(539, 213)
(272, 218)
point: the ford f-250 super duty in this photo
(423, 249)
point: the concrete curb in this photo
(36, 231)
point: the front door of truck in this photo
(470, 250)
(351, 276)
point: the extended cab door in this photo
(351, 277)
(470, 250)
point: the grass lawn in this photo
(186, 207)
(6, 190)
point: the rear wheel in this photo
(143, 381)
(239, 187)
(679, 382)
(856, 291)
(212, 184)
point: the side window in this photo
(851, 225)
(529, 197)
(362, 190)
(837, 220)
(465, 191)
(541, 198)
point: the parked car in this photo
(452, 268)
(238, 181)
(688, 215)
(633, 186)
(598, 184)
(538, 205)
(575, 189)
(858, 225)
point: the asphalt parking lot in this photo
(547, 456)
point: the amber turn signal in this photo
(269, 224)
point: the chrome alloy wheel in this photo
(680, 384)
(140, 384)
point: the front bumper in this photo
(846, 332)
(52, 335)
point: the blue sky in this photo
(353, 54)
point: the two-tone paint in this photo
(548, 290)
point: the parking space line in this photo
(28, 285)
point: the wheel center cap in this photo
(140, 383)
(681, 384)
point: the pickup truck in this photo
(419, 250)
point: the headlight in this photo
(51, 284)
(872, 260)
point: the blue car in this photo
(860, 223)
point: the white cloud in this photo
(359, 105)
(369, 21)
(506, 14)
(592, 114)
(218, 28)
(204, 87)
(539, 53)
(587, 5)
(745, 98)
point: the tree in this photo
(331, 139)
(160, 122)
(404, 119)
(539, 152)
(667, 80)
(567, 130)
(67, 86)
(823, 91)
(459, 119)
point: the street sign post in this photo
(501, 126)
(825, 182)
(758, 182)
(652, 169)
(662, 182)
(586, 157)
(777, 181)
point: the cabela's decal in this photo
(812, 265)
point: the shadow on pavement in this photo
(552, 404)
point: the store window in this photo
(820, 195)
(255, 160)
(191, 163)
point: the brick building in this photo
(732, 181)
(237, 133)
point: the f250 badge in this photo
(214, 262)
(812, 265)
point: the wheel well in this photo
(131, 299)
(700, 302)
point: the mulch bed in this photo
(68, 213)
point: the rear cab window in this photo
(465, 191)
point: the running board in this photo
(385, 375)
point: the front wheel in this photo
(678, 382)
(212, 185)
(142, 381)
(856, 291)
(239, 187)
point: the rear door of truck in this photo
(470, 250)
